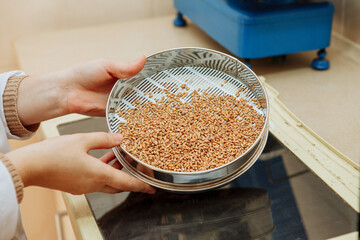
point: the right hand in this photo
(83, 88)
(63, 163)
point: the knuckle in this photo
(80, 136)
(103, 62)
(131, 185)
(102, 137)
(107, 138)
(103, 178)
(105, 175)
(99, 174)
(126, 187)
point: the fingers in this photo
(117, 165)
(122, 181)
(100, 140)
(108, 189)
(107, 157)
(114, 178)
(125, 70)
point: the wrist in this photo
(26, 162)
(20, 169)
(16, 178)
(39, 99)
(10, 97)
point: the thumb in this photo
(125, 69)
(100, 140)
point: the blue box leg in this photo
(320, 63)
(179, 21)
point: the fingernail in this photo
(118, 137)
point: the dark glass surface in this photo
(277, 198)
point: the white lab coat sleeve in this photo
(9, 207)
(10, 219)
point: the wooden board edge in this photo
(81, 217)
(299, 131)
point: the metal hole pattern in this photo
(196, 68)
(196, 78)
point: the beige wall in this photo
(23, 17)
(347, 19)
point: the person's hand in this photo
(63, 163)
(83, 88)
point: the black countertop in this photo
(277, 198)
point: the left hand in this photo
(64, 163)
(83, 88)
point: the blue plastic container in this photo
(253, 29)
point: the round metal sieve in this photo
(198, 68)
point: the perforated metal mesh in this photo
(196, 78)
(199, 69)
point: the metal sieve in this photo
(198, 68)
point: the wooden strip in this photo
(81, 217)
(348, 236)
(48, 129)
(316, 151)
(334, 168)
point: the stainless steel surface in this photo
(198, 68)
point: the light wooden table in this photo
(124, 41)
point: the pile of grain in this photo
(206, 133)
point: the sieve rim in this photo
(255, 143)
(201, 186)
